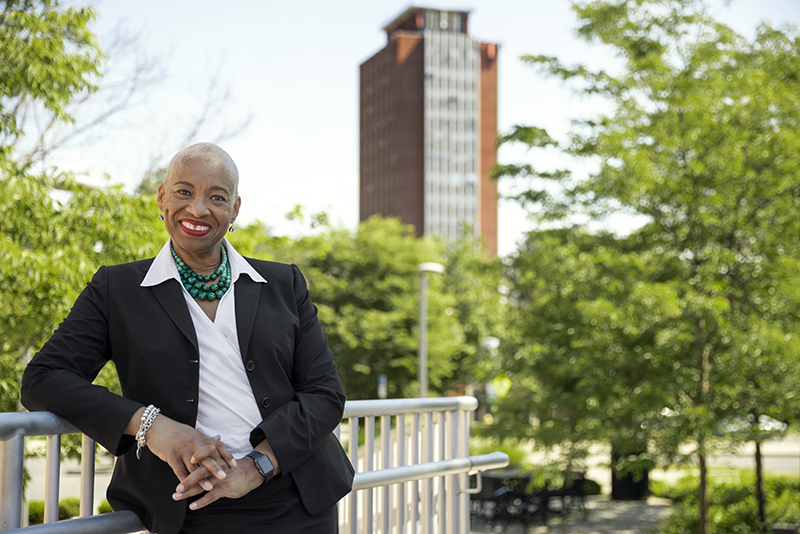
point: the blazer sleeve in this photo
(59, 377)
(296, 429)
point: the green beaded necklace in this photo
(196, 284)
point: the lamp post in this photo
(490, 343)
(422, 361)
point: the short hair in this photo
(207, 151)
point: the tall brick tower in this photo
(428, 124)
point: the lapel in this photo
(171, 299)
(248, 294)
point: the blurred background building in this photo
(428, 127)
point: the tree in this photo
(58, 87)
(38, 43)
(476, 284)
(365, 283)
(366, 287)
(49, 56)
(49, 250)
(595, 325)
(701, 141)
(51, 243)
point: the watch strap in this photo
(263, 464)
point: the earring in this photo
(230, 228)
(160, 216)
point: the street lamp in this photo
(422, 372)
(490, 343)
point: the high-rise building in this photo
(428, 124)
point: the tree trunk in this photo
(703, 497)
(762, 513)
(701, 449)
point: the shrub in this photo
(682, 490)
(35, 512)
(590, 487)
(69, 507)
(516, 454)
(732, 503)
(104, 507)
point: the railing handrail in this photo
(34, 424)
(47, 423)
(408, 473)
(122, 522)
(367, 408)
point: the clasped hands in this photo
(201, 463)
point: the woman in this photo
(206, 343)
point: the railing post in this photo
(12, 449)
(440, 496)
(415, 445)
(401, 461)
(453, 515)
(427, 485)
(52, 473)
(463, 478)
(87, 476)
(369, 454)
(353, 453)
(386, 456)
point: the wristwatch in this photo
(263, 464)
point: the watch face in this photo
(263, 464)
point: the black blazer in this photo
(149, 335)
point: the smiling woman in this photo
(223, 421)
(199, 201)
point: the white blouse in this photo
(226, 405)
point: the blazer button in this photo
(265, 402)
(250, 365)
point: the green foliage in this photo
(69, 507)
(9, 387)
(519, 465)
(53, 232)
(685, 330)
(36, 512)
(516, 453)
(663, 336)
(104, 507)
(49, 58)
(732, 506)
(50, 249)
(366, 286)
(590, 487)
(681, 490)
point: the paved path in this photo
(602, 517)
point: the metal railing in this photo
(412, 469)
(413, 474)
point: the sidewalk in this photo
(601, 517)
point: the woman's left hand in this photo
(240, 481)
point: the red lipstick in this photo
(195, 228)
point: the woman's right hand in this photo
(183, 447)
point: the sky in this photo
(292, 68)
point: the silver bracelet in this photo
(148, 417)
